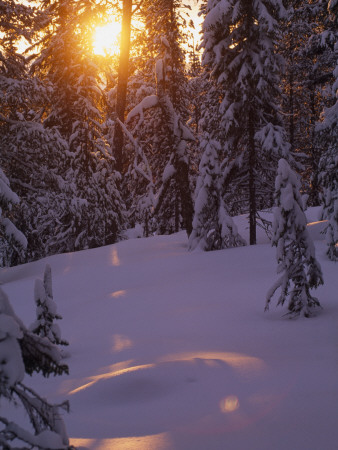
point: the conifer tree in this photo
(11, 239)
(239, 52)
(307, 47)
(23, 352)
(165, 111)
(295, 250)
(328, 134)
(92, 211)
(22, 100)
(140, 187)
(328, 179)
(213, 228)
(46, 310)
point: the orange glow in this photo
(115, 260)
(121, 342)
(316, 223)
(118, 294)
(160, 441)
(106, 39)
(242, 363)
(115, 371)
(229, 404)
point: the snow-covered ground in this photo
(171, 349)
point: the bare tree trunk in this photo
(252, 181)
(291, 112)
(122, 83)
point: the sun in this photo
(106, 39)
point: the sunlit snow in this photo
(171, 349)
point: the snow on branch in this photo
(148, 102)
(23, 352)
(139, 153)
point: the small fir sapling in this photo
(295, 250)
(23, 352)
(46, 310)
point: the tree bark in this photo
(252, 181)
(122, 83)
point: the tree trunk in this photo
(252, 181)
(291, 112)
(122, 82)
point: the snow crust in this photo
(171, 349)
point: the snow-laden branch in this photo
(139, 153)
(148, 102)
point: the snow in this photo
(168, 172)
(13, 232)
(159, 70)
(45, 439)
(171, 349)
(148, 102)
(6, 193)
(11, 363)
(49, 439)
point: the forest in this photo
(163, 132)
(162, 119)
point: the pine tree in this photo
(11, 239)
(295, 249)
(140, 187)
(307, 48)
(36, 176)
(91, 213)
(164, 110)
(213, 228)
(239, 40)
(46, 310)
(21, 132)
(23, 352)
(328, 179)
(328, 132)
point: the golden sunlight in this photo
(162, 441)
(229, 404)
(106, 39)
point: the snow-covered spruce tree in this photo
(23, 352)
(196, 86)
(140, 186)
(35, 176)
(328, 179)
(328, 132)
(22, 100)
(12, 241)
(307, 46)
(51, 208)
(239, 38)
(46, 310)
(92, 212)
(295, 249)
(158, 120)
(213, 228)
